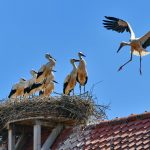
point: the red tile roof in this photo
(130, 133)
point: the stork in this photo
(35, 87)
(31, 86)
(17, 89)
(70, 80)
(138, 45)
(45, 70)
(46, 82)
(49, 88)
(82, 71)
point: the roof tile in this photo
(129, 133)
(146, 146)
(139, 142)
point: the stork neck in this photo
(51, 62)
(80, 57)
(49, 59)
(74, 66)
(22, 83)
(34, 75)
(132, 37)
(125, 43)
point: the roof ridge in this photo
(117, 121)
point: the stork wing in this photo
(13, 91)
(35, 85)
(116, 24)
(39, 74)
(145, 40)
(66, 82)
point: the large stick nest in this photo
(78, 108)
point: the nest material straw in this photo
(78, 108)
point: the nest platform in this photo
(67, 110)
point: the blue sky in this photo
(29, 29)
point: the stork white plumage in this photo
(47, 84)
(31, 86)
(46, 69)
(17, 89)
(70, 80)
(49, 88)
(30, 81)
(138, 45)
(82, 76)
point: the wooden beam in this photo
(11, 139)
(52, 137)
(21, 141)
(37, 136)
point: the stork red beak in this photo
(48, 55)
(55, 81)
(52, 57)
(83, 55)
(119, 48)
(76, 60)
(54, 70)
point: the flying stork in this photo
(70, 80)
(82, 76)
(138, 45)
(46, 69)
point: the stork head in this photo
(22, 80)
(121, 45)
(74, 60)
(33, 72)
(80, 54)
(48, 56)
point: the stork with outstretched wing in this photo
(138, 45)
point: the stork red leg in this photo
(120, 68)
(80, 89)
(140, 64)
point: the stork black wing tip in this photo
(106, 17)
(111, 18)
(104, 23)
(105, 20)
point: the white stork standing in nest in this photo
(82, 76)
(31, 87)
(17, 89)
(70, 80)
(48, 88)
(46, 69)
(138, 45)
(48, 85)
